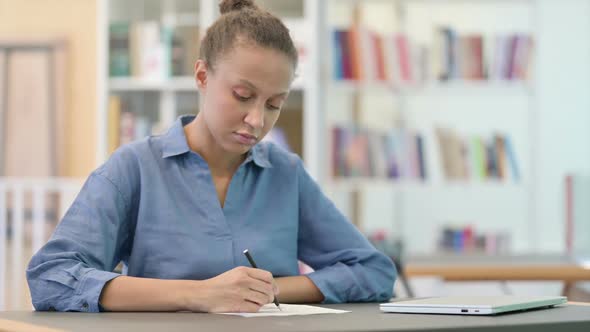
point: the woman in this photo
(179, 209)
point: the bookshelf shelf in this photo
(477, 184)
(360, 183)
(184, 83)
(457, 87)
(478, 87)
(348, 184)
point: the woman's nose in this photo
(255, 117)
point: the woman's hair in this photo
(243, 22)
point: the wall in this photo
(74, 20)
(564, 111)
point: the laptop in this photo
(471, 305)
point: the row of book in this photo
(364, 55)
(477, 157)
(398, 153)
(473, 57)
(465, 239)
(388, 244)
(150, 50)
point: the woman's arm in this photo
(144, 294)
(242, 289)
(347, 267)
(298, 289)
(69, 271)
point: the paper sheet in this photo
(287, 310)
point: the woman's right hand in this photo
(241, 289)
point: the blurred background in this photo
(455, 134)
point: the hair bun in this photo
(227, 6)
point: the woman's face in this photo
(243, 96)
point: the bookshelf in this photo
(186, 83)
(482, 101)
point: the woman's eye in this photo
(240, 97)
(273, 108)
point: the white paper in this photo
(287, 310)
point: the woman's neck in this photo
(201, 141)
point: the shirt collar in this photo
(259, 153)
(175, 143)
(174, 140)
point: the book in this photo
(420, 155)
(523, 57)
(453, 153)
(501, 158)
(338, 52)
(479, 158)
(147, 51)
(119, 61)
(511, 159)
(404, 56)
(113, 123)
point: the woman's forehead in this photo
(258, 65)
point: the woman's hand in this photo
(241, 289)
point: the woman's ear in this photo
(201, 74)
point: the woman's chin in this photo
(238, 148)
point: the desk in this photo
(500, 268)
(364, 317)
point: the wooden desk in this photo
(363, 317)
(501, 268)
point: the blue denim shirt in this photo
(154, 207)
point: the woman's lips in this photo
(245, 139)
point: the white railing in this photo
(29, 209)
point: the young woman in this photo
(179, 209)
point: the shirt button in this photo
(51, 308)
(85, 305)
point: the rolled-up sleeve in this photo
(69, 272)
(347, 267)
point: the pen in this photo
(251, 260)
